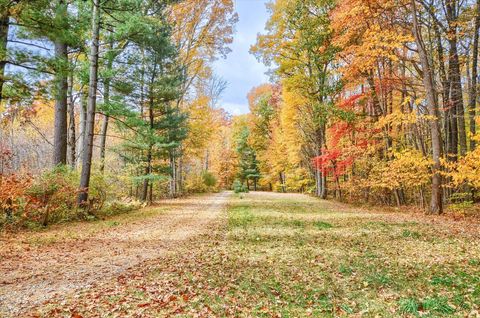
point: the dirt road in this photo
(34, 267)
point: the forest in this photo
(374, 101)
(114, 137)
(369, 102)
(108, 101)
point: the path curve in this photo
(30, 276)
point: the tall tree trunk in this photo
(148, 168)
(103, 142)
(317, 174)
(91, 107)
(282, 181)
(173, 175)
(436, 204)
(150, 193)
(106, 101)
(457, 96)
(81, 125)
(103, 133)
(207, 158)
(455, 74)
(151, 121)
(473, 88)
(142, 84)
(71, 124)
(60, 134)
(180, 174)
(323, 176)
(450, 123)
(377, 108)
(452, 120)
(4, 27)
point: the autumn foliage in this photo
(354, 117)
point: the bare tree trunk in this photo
(151, 121)
(103, 142)
(436, 204)
(323, 176)
(452, 121)
(81, 125)
(142, 84)
(473, 88)
(71, 124)
(319, 178)
(377, 109)
(445, 94)
(282, 181)
(323, 186)
(207, 155)
(4, 27)
(173, 166)
(457, 97)
(422, 198)
(339, 190)
(103, 133)
(91, 107)
(179, 170)
(106, 101)
(455, 75)
(148, 168)
(318, 183)
(397, 197)
(60, 134)
(150, 193)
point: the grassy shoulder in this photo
(294, 256)
(112, 216)
(38, 237)
(308, 258)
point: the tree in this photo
(4, 28)
(351, 106)
(202, 31)
(299, 42)
(61, 54)
(82, 199)
(436, 201)
(473, 85)
(247, 156)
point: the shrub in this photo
(27, 201)
(119, 207)
(201, 183)
(209, 179)
(52, 196)
(239, 187)
(100, 185)
(13, 197)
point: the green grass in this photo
(298, 258)
(295, 256)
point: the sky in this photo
(241, 69)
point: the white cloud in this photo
(241, 69)
(234, 109)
